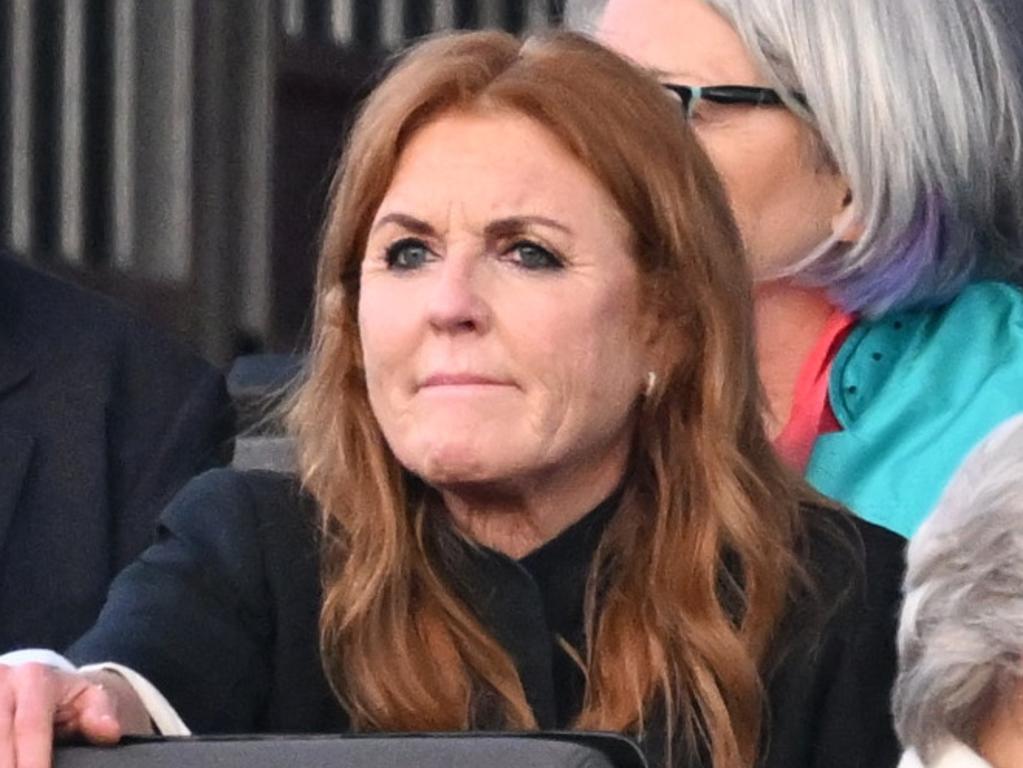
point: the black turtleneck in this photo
(528, 604)
(560, 569)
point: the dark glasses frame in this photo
(751, 95)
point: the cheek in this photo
(372, 334)
(386, 338)
(779, 202)
(600, 354)
(746, 175)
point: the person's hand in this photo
(39, 703)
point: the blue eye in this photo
(407, 254)
(534, 257)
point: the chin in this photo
(454, 464)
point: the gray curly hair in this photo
(961, 634)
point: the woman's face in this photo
(500, 315)
(783, 198)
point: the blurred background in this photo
(175, 154)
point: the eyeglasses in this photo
(691, 95)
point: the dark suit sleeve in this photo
(193, 614)
(855, 728)
(170, 419)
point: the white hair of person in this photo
(961, 633)
(919, 105)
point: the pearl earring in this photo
(651, 382)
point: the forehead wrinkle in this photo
(483, 187)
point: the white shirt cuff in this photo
(164, 717)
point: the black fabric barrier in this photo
(462, 750)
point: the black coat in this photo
(102, 420)
(221, 615)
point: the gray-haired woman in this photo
(959, 695)
(872, 153)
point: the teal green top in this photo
(914, 392)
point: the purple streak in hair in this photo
(911, 274)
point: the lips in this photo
(461, 380)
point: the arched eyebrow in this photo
(410, 223)
(496, 229)
(514, 225)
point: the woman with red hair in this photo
(535, 490)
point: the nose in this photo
(456, 303)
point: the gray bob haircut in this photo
(918, 104)
(961, 633)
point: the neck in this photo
(1000, 735)
(789, 321)
(516, 518)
